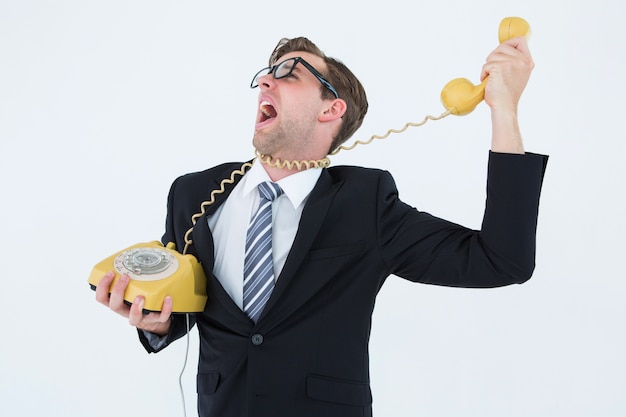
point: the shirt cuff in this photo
(155, 341)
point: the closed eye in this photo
(295, 73)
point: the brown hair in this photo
(348, 87)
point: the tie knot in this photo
(270, 190)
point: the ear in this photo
(335, 110)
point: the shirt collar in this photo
(295, 186)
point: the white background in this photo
(103, 104)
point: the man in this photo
(299, 346)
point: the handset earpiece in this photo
(460, 96)
(512, 27)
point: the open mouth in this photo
(267, 111)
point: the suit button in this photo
(257, 339)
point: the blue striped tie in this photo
(258, 274)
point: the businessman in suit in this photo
(298, 347)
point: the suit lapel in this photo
(313, 215)
(204, 247)
(201, 235)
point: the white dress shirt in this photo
(229, 224)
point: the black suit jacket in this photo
(307, 356)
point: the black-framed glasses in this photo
(284, 68)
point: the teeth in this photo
(263, 106)
(266, 108)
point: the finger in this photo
(153, 320)
(520, 43)
(135, 314)
(164, 315)
(511, 50)
(102, 289)
(513, 46)
(488, 68)
(138, 317)
(166, 310)
(116, 302)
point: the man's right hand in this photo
(153, 322)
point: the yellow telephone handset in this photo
(460, 96)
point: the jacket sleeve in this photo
(423, 248)
(179, 325)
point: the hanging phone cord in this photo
(390, 131)
(182, 371)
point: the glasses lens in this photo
(255, 79)
(284, 68)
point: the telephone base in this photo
(155, 272)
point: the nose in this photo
(266, 81)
